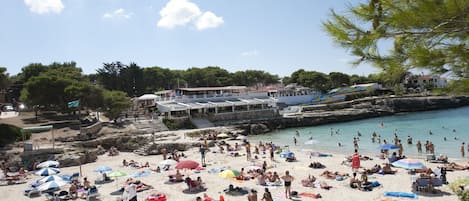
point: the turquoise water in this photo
(417, 125)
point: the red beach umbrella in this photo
(187, 164)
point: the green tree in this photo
(338, 79)
(430, 34)
(357, 79)
(50, 88)
(315, 80)
(4, 78)
(115, 102)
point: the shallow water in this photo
(440, 122)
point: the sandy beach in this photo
(401, 181)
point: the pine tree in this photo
(399, 35)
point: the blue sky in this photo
(276, 36)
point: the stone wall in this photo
(243, 115)
(91, 130)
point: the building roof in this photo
(213, 88)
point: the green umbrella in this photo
(117, 174)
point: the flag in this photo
(75, 103)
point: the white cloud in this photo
(183, 12)
(208, 20)
(118, 14)
(250, 53)
(45, 6)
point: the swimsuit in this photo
(287, 183)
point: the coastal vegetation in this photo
(11, 133)
(398, 36)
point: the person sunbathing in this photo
(454, 166)
(354, 182)
(274, 177)
(316, 165)
(328, 174)
(147, 164)
(261, 179)
(387, 169)
(322, 184)
(199, 184)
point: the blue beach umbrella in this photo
(103, 169)
(387, 146)
(47, 164)
(141, 174)
(287, 154)
(51, 178)
(408, 164)
(51, 185)
(47, 171)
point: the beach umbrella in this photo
(241, 137)
(229, 173)
(253, 167)
(103, 169)
(51, 185)
(387, 146)
(223, 135)
(187, 164)
(286, 154)
(47, 164)
(408, 164)
(143, 173)
(117, 174)
(168, 162)
(311, 142)
(51, 178)
(47, 171)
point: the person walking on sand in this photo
(401, 148)
(252, 196)
(267, 195)
(271, 151)
(202, 154)
(287, 179)
(248, 151)
(355, 161)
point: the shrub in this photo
(176, 125)
(10, 134)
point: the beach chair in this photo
(92, 194)
(32, 192)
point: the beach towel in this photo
(401, 194)
(310, 195)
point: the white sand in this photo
(340, 191)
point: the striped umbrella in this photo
(47, 171)
(47, 164)
(51, 178)
(51, 185)
(408, 164)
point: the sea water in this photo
(417, 125)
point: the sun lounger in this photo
(92, 193)
(32, 192)
(424, 184)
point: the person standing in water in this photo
(419, 146)
(295, 141)
(462, 150)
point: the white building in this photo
(422, 81)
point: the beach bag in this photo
(294, 193)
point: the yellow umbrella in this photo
(229, 173)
